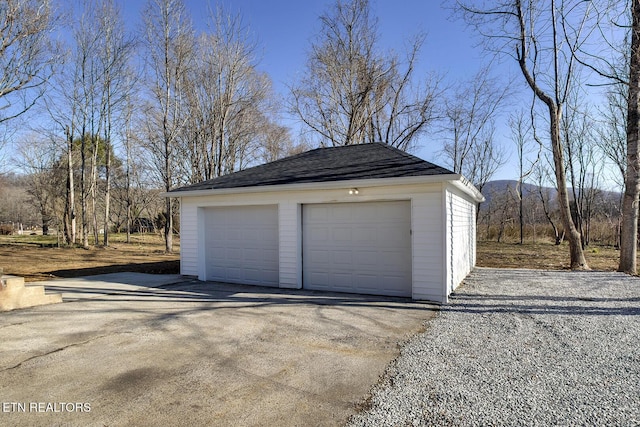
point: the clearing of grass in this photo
(542, 255)
(38, 257)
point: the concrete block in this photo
(14, 294)
(11, 282)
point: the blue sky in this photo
(284, 29)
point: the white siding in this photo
(427, 238)
(461, 238)
(290, 243)
(188, 238)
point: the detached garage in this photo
(367, 219)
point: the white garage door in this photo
(241, 244)
(358, 247)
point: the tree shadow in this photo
(194, 291)
(543, 304)
(162, 267)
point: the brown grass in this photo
(34, 258)
(37, 258)
(542, 255)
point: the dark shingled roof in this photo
(364, 161)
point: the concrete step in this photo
(11, 282)
(14, 294)
(38, 295)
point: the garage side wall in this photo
(461, 236)
(427, 241)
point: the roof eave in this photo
(363, 183)
(466, 186)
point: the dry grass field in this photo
(38, 258)
(542, 255)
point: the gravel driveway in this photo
(521, 347)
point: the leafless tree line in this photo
(126, 112)
(559, 45)
(502, 219)
(168, 105)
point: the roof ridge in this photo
(323, 164)
(401, 152)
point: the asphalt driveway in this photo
(156, 350)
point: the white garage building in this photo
(367, 219)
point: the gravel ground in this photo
(521, 347)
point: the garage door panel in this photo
(318, 233)
(270, 235)
(340, 214)
(319, 256)
(342, 257)
(366, 260)
(393, 258)
(319, 279)
(366, 235)
(341, 234)
(241, 244)
(391, 236)
(342, 280)
(363, 247)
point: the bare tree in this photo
(541, 177)
(612, 133)
(353, 93)
(468, 119)
(128, 137)
(629, 232)
(85, 74)
(115, 49)
(584, 163)
(470, 111)
(520, 132)
(619, 64)
(63, 104)
(276, 143)
(38, 158)
(407, 108)
(227, 98)
(168, 42)
(27, 55)
(543, 38)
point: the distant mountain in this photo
(503, 186)
(493, 188)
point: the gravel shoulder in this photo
(520, 347)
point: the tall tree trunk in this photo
(629, 235)
(577, 259)
(70, 211)
(168, 226)
(83, 191)
(128, 179)
(107, 193)
(94, 191)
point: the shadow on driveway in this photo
(185, 352)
